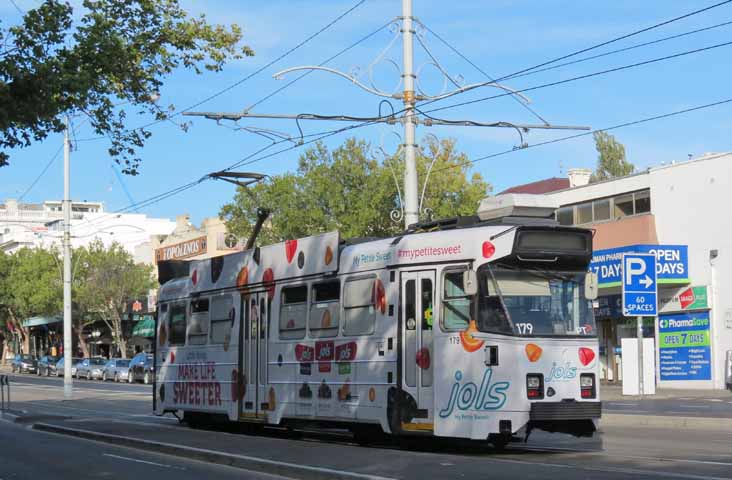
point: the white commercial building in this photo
(41, 225)
(678, 212)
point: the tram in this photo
(475, 327)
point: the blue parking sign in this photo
(640, 290)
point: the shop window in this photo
(222, 318)
(565, 216)
(177, 324)
(198, 322)
(601, 210)
(584, 213)
(642, 202)
(624, 206)
(358, 304)
(293, 312)
(325, 309)
(455, 303)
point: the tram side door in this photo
(254, 354)
(417, 303)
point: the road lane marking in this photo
(694, 406)
(717, 400)
(624, 471)
(617, 404)
(137, 460)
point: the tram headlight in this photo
(535, 386)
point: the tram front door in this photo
(417, 303)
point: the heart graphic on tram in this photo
(586, 355)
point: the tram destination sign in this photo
(640, 290)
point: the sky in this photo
(499, 36)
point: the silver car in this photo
(90, 368)
(116, 369)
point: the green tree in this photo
(32, 287)
(105, 279)
(111, 52)
(611, 162)
(349, 190)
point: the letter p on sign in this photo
(634, 267)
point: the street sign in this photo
(640, 292)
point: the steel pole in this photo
(639, 321)
(411, 207)
(68, 354)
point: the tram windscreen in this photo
(534, 303)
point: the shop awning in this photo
(145, 327)
(38, 321)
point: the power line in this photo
(584, 134)
(323, 63)
(485, 74)
(581, 77)
(269, 64)
(620, 50)
(253, 74)
(17, 7)
(617, 39)
(43, 172)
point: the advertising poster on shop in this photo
(684, 352)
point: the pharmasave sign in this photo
(189, 248)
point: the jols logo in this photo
(560, 373)
(469, 396)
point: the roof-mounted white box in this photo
(516, 205)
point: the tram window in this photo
(177, 324)
(358, 303)
(325, 309)
(455, 303)
(293, 312)
(222, 318)
(198, 322)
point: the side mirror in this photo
(470, 282)
(591, 286)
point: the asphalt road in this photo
(618, 452)
(27, 454)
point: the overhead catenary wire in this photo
(321, 64)
(245, 159)
(250, 160)
(621, 50)
(592, 132)
(20, 10)
(253, 74)
(43, 172)
(580, 77)
(617, 39)
(475, 66)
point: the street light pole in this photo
(68, 381)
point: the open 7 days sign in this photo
(672, 263)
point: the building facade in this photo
(676, 212)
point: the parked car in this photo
(116, 369)
(45, 364)
(90, 368)
(58, 368)
(24, 362)
(75, 365)
(141, 368)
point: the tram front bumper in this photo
(575, 418)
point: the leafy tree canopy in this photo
(611, 162)
(110, 53)
(350, 190)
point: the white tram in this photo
(478, 327)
